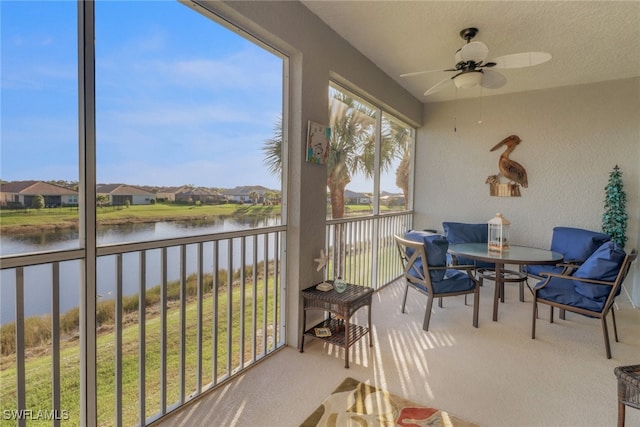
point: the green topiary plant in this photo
(614, 220)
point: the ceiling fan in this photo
(471, 70)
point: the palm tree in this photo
(352, 147)
(273, 149)
(254, 196)
(402, 139)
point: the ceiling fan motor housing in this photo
(472, 70)
(469, 33)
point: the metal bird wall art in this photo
(510, 169)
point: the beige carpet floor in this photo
(495, 375)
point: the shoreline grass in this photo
(48, 219)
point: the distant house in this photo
(187, 193)
(355, 198)
(22, 193)
(119, 194)
(392, 199)
(168, 194)
(241, 194)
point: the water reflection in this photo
(61, 239)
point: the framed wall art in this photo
(318, 139)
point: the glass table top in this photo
(514, 255)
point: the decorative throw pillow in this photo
(459, 232)
(576, 244)
(435, 247)
(603, 264)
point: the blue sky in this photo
(180, 99)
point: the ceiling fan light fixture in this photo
(468, 79)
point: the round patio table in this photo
(519, 255)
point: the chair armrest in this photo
(568, 264)
(454, 267)
(580, 279)
(568, 267)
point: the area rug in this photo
(355, 403)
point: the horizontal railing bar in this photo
(36, 258)
(165, 243)
(29, 259)
(367, 217)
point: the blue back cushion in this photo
(459, 232)
(435, 247)
(603, 264)
(576, 244)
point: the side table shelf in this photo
(343, 305)
(337, 328)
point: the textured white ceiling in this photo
(590, 41)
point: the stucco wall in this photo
(572, 137)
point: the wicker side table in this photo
(343, 332)
(628, 389)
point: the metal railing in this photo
(174, 318)
(362, 250)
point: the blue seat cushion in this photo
(576, 244)
(453, 281)
(460, 232)
(603, 264)
(563, 291)
(435, 247)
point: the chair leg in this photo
(476, 306)
(620, 414)
(440, 302)
(551, 314)
(404, 301)
(521, 291)
(615, 327)
(427, 313)
(535, 316)
(605, 332)
(563, 314)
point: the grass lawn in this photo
(38, 368)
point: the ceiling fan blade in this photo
(474, 51)
(438, 86)
(417, 73)
(492, 79)
(521, 60)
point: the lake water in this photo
(38, 285)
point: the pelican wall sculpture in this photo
(510, 169)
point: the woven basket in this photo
(628, 385)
